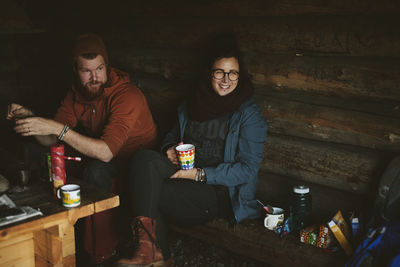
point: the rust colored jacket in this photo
(120, 117)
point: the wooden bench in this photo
(251, 239)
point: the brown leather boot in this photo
(148, 252)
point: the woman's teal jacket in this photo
(244, 151)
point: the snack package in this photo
(340, 237)
(324, 237)
(316, 235)
(341, 223)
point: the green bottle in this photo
(300, 207)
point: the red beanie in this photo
(87, 44)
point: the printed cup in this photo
(273, 220)
(70, 195)
(186, 156)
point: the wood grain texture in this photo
(330, 124)
(19, 252)
(347, 168)
(363, 78)
(316, 35)
(48, 246)
(132, 9)
(336, 76)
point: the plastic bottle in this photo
(300, 207)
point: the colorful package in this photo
(316, 235)
(340, 237)
(341, 223)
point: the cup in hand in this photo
(70, 195)
(186, 156)
(272, 220)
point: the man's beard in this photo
(90, 94)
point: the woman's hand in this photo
(172, 156)
(185, 174)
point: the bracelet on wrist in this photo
(63, 132)
(200, 175)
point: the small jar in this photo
(300, 207)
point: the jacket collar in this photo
(115, 78)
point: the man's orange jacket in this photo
(120, 117)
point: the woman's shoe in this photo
(148, 252)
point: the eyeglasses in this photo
(220, 74)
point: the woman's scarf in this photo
(205, 104)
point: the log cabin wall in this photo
(327, 73)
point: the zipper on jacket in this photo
(91, 117)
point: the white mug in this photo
(272, 220)
(70, 195)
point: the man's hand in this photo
(172, 156)
(37, 126)
(16, 111)
(185, 174)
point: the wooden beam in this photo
(18, 251)
(315, 35)
(48, 246)
(343, 167)
(330, 124)
(106, 204)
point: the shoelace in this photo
(136, 228)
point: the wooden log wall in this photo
(327, 73)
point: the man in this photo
(112, 113)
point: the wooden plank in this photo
(343, 167)
(330, 124)
(67, 233)
(32, 226)
(370, 36)
(64, 231)
(41, 262)
(129, 10)
(80, 212)
(69, 260)
(383, 107)
(18, 253)
(361, 77)
(106, 204)
(48, 246)
(16, 239)
(330, 76)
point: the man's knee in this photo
(100, 173)
(141, 157)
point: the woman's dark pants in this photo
(180, 201)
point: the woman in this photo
(228, 131)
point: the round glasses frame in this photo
(220, 74)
